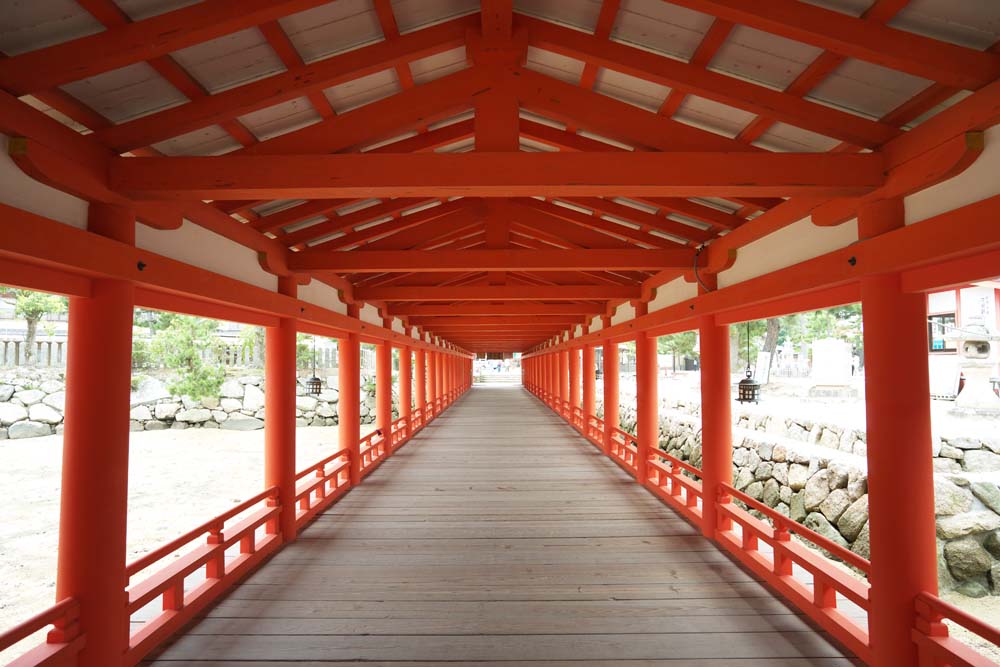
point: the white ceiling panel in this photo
(661, 27)
(580, 14)
(555, 65)
(138, 10)
(972, 23)
(414, 14)
(207, 141)
(28, 25)
(708, 113)
(229, 61)
(789, 139)
(332, 28)
(126, 93)
(849, 7)
(626, 88)
(438, 65)
(363, 91)
(763, 57)
(867, 89)
(281, 118)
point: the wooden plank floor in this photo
(499, 536)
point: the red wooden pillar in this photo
(900, 470)
(563, 377)
(420, 371)
(588, 373)
(349, 405)
(279, 413)
(439, 375)
(94, 494)
(432, 380)
(406, 385)
(574, 377)
(716, 420)
(611, 407)
(646, 398)
(553, 373)
(383, 389)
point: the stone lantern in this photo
(978, 352)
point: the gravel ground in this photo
(177, 480)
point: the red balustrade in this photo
(373, 452)
(399, 433)
(595, 431)
(830, 581)
(249, 528)
(321, 484)
(936, 648)
(62, 642)
(624, 450)
(677, 483)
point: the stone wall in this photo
(816, 473)
(32, 402)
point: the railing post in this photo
(420, 372)
(383, 390)
(611, 417)
(574, 377)
(647, 403)
(900, 470)
(588, 375)
(349, 405)
(94, 493)
(406, 387)
(716, 421)
(279, 413)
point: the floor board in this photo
(498, 536)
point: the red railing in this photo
(62, 642)
(595, 431)
(204, 562)
(936, 648)
(777, 567)
(667, 479)
(576, 418)
(321, 484)
(624, 449)
(250, 529)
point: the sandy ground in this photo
(177, 480)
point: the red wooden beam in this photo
(298, 81)
(711, 85)
(489, 260)
(159, 35)
(496, 320)
(642, 218)
(497, 174)
(857, 38)
(497, 293)
(461, 215)
(702, 56)
(496, 19)
(346, 222)
(514, 309)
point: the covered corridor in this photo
(499, 534)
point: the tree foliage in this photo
(33, 306)
(842, 322)
(182, 342)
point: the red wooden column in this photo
(611, 407)
(279, 413)
(716, 420)
(563, 377)
(432, 381)
(900, 470)
(646, 398)
(574, 377)
(383, 387)
(94, 494)
(420, 370)
(349, 405)
(439, 375)
(588, 373)
(553, 376)
(406, 386)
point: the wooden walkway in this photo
(498, 535)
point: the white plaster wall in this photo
(369, 314)
(974, 184)
(795, 243)
(199, 247)
(321, 294)
(596, 324)
(19, 190)
(675, 291)
(624, 313)
(397, 326)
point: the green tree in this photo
(677, 345)
(182, 344)
(33, 306)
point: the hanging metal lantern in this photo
(314, 385)
(749, 389)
